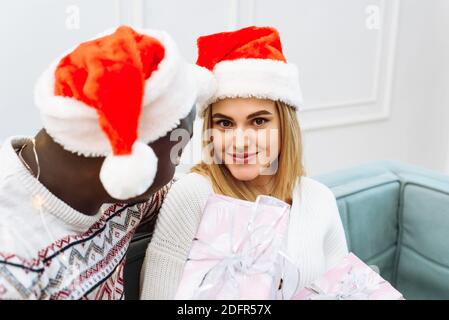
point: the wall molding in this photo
(130, 12)
(377, 106)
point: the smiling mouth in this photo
(243, 157)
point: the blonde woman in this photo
(252, 146)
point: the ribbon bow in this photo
(357, 284)
(258, 252)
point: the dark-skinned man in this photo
(72, 197)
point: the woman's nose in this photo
(243, 138)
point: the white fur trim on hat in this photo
(207, 84)
(128, 176)
(258, 78)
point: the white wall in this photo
(372, 91)
(443, 87)
(417, 129)
(32, 34)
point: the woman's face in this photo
(245, 135)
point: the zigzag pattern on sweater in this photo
(60, 245)
(79, 265)
(94, 258)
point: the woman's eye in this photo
(259, 121)
(225, 123)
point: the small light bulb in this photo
(37, 202)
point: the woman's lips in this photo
(243, 157)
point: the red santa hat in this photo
(113, 95)
(249, 63)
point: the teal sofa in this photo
(396, 216)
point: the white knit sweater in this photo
(316, 239)
(49, 250)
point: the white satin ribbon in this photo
(259, 252)
(357, 284)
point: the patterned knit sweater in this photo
(48, 250)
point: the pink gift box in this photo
(352, 279)
(238, 252)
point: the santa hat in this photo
(113, 95)
(249, 63)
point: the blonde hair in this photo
(290, 167)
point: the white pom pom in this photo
(128, 176)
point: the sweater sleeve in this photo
(20, 276)
(17, 282)
(175, 229)
(335, 246)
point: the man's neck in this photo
(73, 179)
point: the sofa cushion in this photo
(370, 220)
(368, 202)
(423, 255)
